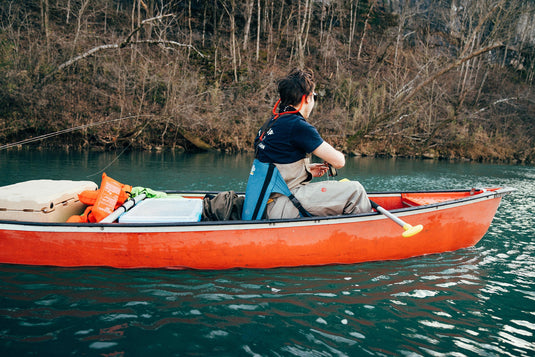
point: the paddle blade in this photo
(411, 230)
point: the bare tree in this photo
(233, 41)
(365, 29)
(45, 11)
(249, 6)
(79, 23)
(305, 18)
(352, 25)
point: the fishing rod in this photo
(64, 131)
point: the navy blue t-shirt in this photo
(288, 140)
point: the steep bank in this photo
(392, 80)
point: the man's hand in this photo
(318, 170)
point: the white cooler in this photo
(164, 210)
(43, 200)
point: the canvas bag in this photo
(224, 206)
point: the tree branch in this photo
(83, 55)
(447, 69)
(401, 101)
(123, 44)
(146, 21)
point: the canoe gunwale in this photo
(405, 211)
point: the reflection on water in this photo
(472, 302)
(217, 171)
(158, 170)
(449, 302)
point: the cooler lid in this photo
(39, 194)
(164, 210)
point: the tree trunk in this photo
(79, 25)
(305, 18)
(259, 12)
(352, 26)
(365, 29)
(233, 43)
(248, 18)
(45, 11)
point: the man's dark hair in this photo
(297, 83)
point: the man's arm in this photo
(327, 153)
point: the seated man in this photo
(287, 138)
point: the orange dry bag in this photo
(107, 198)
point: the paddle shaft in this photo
(125, 207)
(409, 230)
(388, 214)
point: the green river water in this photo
(478, 301)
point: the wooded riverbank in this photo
(433, 79)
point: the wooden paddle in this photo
(409, 230)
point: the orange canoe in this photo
(451, 220)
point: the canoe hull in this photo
(239, 244)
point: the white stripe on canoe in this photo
(240, 225)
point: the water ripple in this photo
(478, 301)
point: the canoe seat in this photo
(421, 199)
(265, 179)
